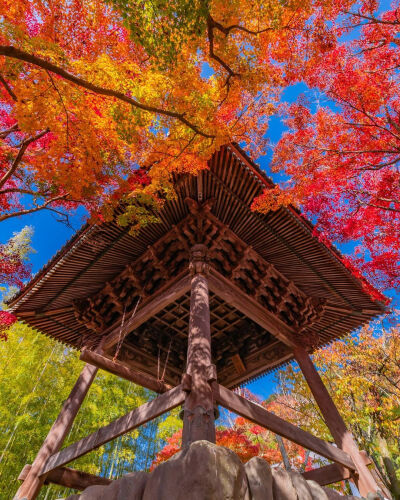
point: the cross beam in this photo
(123, 371)
(122, 425)
(69, 478)
(329, 474)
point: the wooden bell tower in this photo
(221, 293)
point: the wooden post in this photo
(198, 420)
(342, 436)
(30, 488)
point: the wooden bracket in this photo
(238, 363)
(211, 373)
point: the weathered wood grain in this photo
(69, 478)
(122, 425)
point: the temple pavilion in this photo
(193, 306)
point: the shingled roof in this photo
(284, 241)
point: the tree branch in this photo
(43, 206)
(13, 52)
(372, 19)
(5, 133)
(19, 156)
(384, 208)
(211, 24)
(8, 88)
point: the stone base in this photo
(205, 471)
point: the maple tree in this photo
(90, 91)
(363, 378)
(342, 158)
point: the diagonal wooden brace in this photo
(263, 417)
(122, 425)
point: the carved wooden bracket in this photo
(198, 260)
(179, 250)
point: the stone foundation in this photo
(205, 471)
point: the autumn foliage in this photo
(249, 440)
(342, 155)
(14, 268)
(104, 103)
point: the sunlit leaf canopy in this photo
(161, 111)
(104, 102)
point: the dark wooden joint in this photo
(186, 382)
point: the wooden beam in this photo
(122, 425)
(121, 370)
(69, 478)
(234, 296)
(263, 417)
(30, 488)
(329, 474)
(149, 308)
(335, 423)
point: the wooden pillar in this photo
(198, 420)
(342, 436)
(30, 488)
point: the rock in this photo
(97, 493)
(333, 495)
(282, 485)
(205, 471)
(129, 487)
(317, 492)
(202, 471)
(301, 486)
(259, 477)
